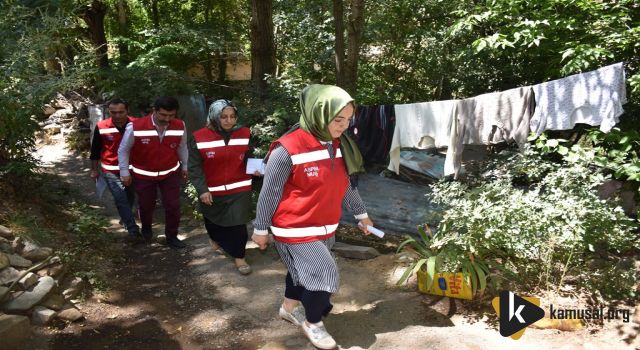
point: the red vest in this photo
(224, 164)
(151, 159)
(111, 138)
(312, 197)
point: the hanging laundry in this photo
(372, 130)
(488, 119)
(420, 125)
(593, 98)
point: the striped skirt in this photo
(311, 265)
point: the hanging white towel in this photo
(420, 125)
(593, 98)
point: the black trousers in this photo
(232, 239)
(317, 304)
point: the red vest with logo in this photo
(311, 203)
(151, 159)
(111, 139)
(224, 164)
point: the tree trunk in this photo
(93, 16)
(263, 51)
(338, 16)
(222, 68)
(208, 62)
(355, 30)
(347, 62)
(123, 31)
(155, 14)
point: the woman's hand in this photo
(206, 198)
(363, 225)
(257, 173)
(261, 240)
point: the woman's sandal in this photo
(244, 269)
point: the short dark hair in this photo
(168, 103)
(118, 101)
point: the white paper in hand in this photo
(101, 185)
(373, 230)
(254, 164)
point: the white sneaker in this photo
(297, 316)
(318, 335)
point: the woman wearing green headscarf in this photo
(217, 163)
(306, 182)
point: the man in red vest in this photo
(104, 156)
(156, 149)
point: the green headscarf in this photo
(319, 105)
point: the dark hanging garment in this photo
(372, 130)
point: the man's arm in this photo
(123, 154)
(96, 150)
(183, 154)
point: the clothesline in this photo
(593, 98)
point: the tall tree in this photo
(347, 62)
(155, 14)
(123, 30)
(93, 15)
(263, 50)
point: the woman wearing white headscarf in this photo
(306, 182)
(217, 164)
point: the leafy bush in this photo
(192, 206)
(150, 82)
(618, 152)
(85, 252)
(271, 119)
(540, 233)
(33, 38)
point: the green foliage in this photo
(89, 243)
(615, 152)
(269, 129)
(575, 35)
(618, 152)
(150, 82)
(268, 121)
(305, 40)
(33, 38)
(26, 225)
(194, 200)
(540, 233)
(89, 228)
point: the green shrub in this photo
(540, 233)
(191, 208)
(88, 248)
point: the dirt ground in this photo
(161, 298)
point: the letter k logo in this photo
(516, 313)
(511, 306)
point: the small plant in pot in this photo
(455, 274)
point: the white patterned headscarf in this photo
(216, 109)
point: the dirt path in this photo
(192, 299)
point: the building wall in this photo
(238, 69)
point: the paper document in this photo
(373, 230)
(101, 185)
(254, 164)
